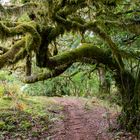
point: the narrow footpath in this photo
(81, 123)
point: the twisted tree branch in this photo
(40, 77)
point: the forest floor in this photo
(81, 122)
(59, 118)
(86, 120)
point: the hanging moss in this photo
(10, 55)
(20, 29)
(32, 40)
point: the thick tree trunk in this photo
(129, 117)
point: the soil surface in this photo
(81, 122)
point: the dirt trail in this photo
(80, 123)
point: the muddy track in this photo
(80, 123)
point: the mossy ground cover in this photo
(27, 118)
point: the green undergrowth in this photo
(27, 118)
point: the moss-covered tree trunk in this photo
(28, 65)
(129, 117)
(104, 83)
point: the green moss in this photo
(82, 54)
(19, 56)
(2, 124)
(9, 56)
(30, 42)
(20, 29)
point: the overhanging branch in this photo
(87, 53)
(56, 72)
(77, 26)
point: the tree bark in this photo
(104, 83)
(28, 65)
(129, 117)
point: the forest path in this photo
(81, 122)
